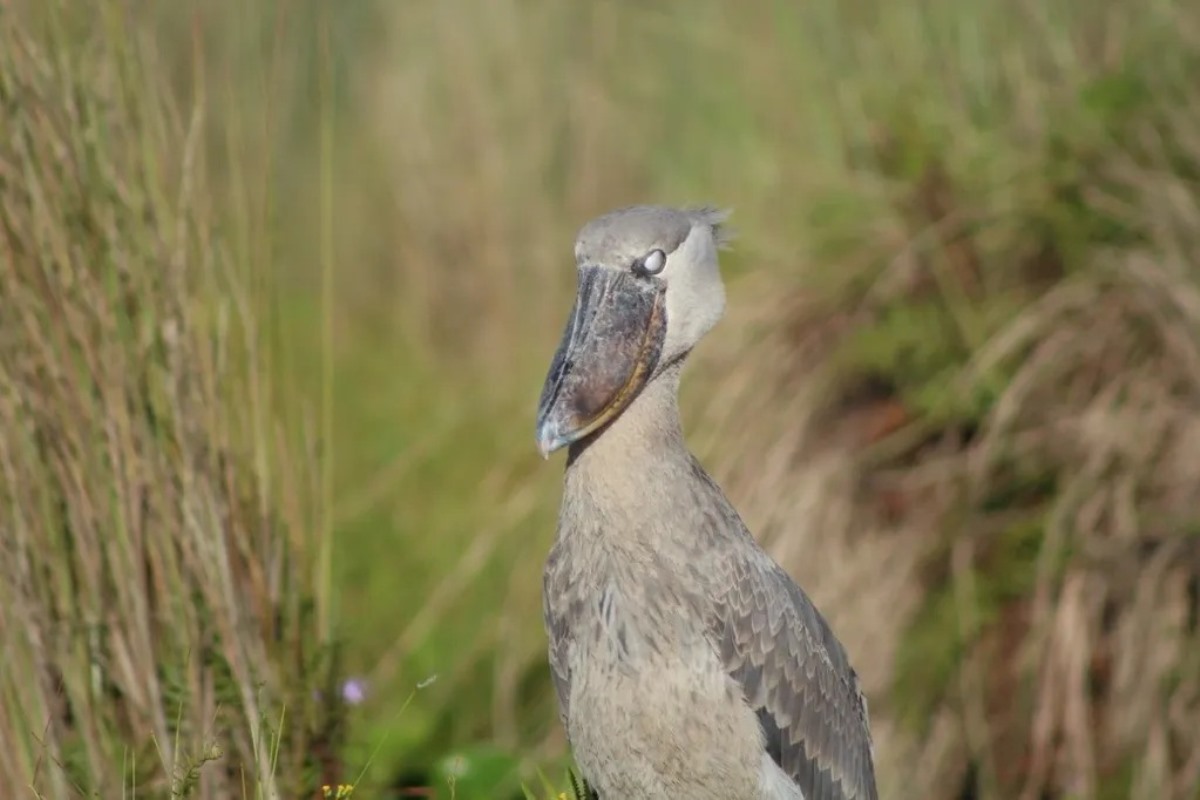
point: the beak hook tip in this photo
(547, 442)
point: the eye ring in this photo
(650, 264)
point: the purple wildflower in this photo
(354, 691)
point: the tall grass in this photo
(157, 623)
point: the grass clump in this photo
(1004, 396)
(156, 586)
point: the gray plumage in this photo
(687, 663)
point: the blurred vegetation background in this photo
(279, 282)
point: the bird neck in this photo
(648, 429)
(633, 464)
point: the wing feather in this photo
(795, 675)
(792, 670)
(557, 621)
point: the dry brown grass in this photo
(156, 583)
(1018, 577)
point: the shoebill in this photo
(687, 663)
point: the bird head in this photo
(649, 288)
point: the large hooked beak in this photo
(609, 350)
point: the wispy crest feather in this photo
(715, 218)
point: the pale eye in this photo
(652, 263)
